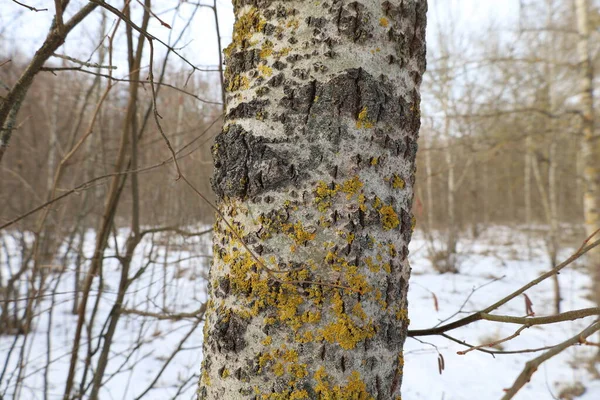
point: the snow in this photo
(497, 264)
(491, 266)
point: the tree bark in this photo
(590, 147)
(314, 171)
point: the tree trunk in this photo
(429, 182)
(314, 170)
(527, 191)
(590, 148)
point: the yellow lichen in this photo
(265, 70)
(402, 315)
(298, 233)
(389, 218)
(293, 23)
(323, 196)
(344, 331)
(266, 49)
(278, 369)
(384, 22)
(397, 182)
(298, 395)
(355, 389)
(358, 311)
(363, 121)
(246, 25)
(238, 82)
(352, 186)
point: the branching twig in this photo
(479, 315)
(533, 365)
(30, 8)
(83, 63)
(198, 314)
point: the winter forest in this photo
(299, 199)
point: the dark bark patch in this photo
(260, 4)
(353, 21)
(242, 61)
(246, 165)
(229, 332)
(248, 110)
(406, 225)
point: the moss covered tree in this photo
(314, 171)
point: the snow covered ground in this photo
(496, 263)
(499, 260)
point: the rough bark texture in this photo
(590, 148)
(315, 169)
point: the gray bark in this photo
(590, 147)
(314, 171)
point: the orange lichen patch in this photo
(387, 268)
(362, 202)
(352, 186)
(356, 281)
(293, 24)
(397, 182)
(389, 218)
(392, 250)
(298, 233)
(280, 362)
(265, 70)
(355, 389)
(266, 49)
(373, 267)
(384, 22)
(283, 52)
(363, 121)
(344, 331)
(205, 377)
(358, 311)
(305, 337)
(376, 203)
(267, 342)
(402, 315)
(380, 300)
(324, 193)
(323, 196)
(287, 303)
(298, 395)
(246, 25)
(238, 82)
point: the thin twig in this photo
(533, 365)
(84, 63)
(30, 7)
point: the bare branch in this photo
(84, 63)
(30, 7)
(533, 365)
